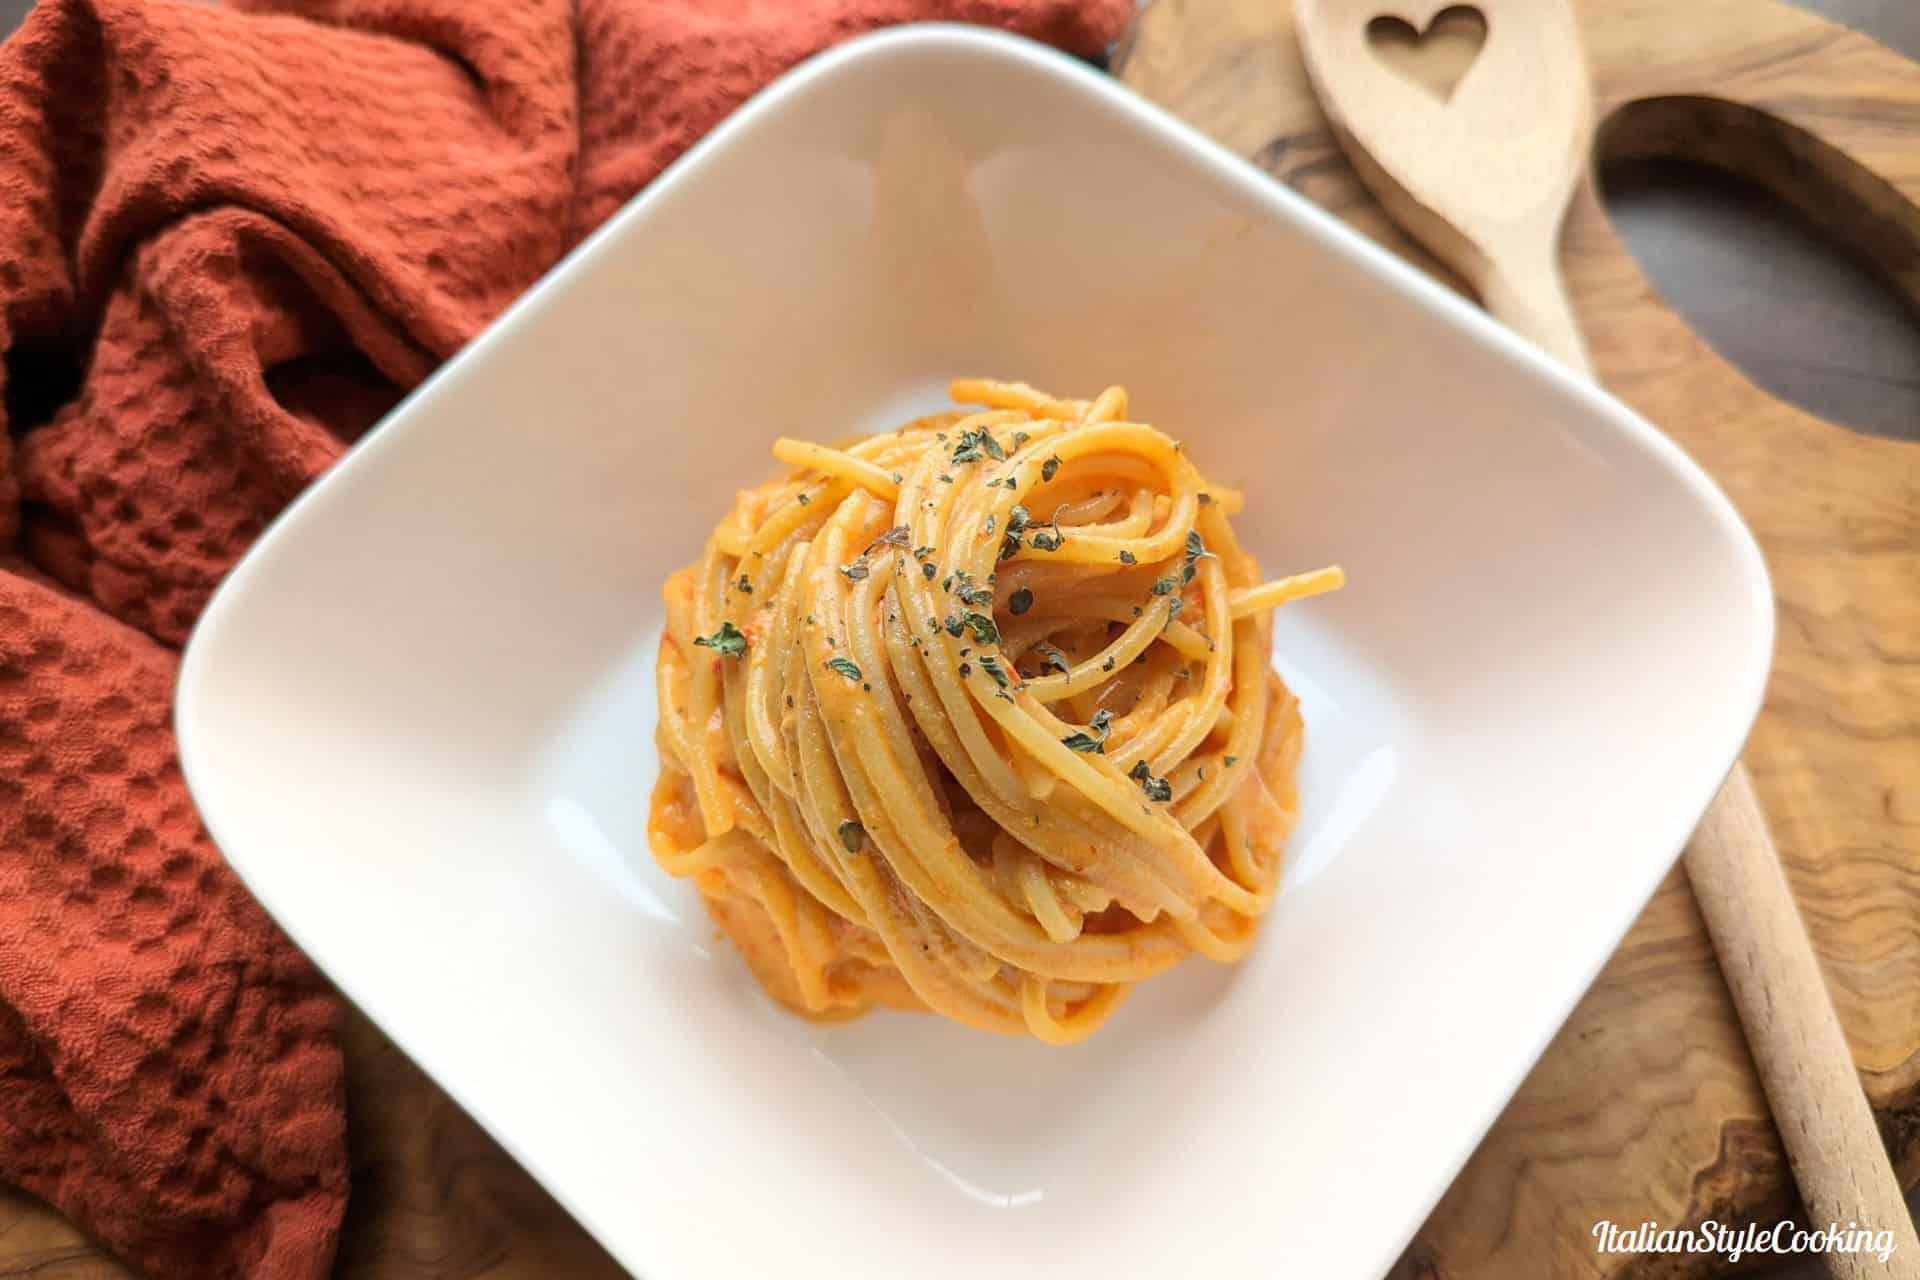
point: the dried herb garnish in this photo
(804, 499)
(927, 570)
(983, 627)
(1108, 664)
(898, 536)
(729, 641)
(966, 669)
(1206, 499)
(976, 441)
(1232, 761)
(1051, 659)
(1047, 539)
(1094, 743)
(991, 665)
(1197, 547)
(853, 836)
(1020, 438)
(955, 626)
(856, 572)
(1155, 788)
(1016, 525)
(968, 593)
(1048, 468)
(744, 585)
(1019, 602)
(845, 668)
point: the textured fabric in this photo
(231, 241)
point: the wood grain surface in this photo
(1645, 1105)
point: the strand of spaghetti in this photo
(1271, 595)
(1153, 624)
(763, 676)
(835, 462)
(702, 695)
(1117, 859)
(1012, 395)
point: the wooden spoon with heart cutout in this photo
(1482, 176)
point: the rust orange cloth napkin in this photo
(229, 240)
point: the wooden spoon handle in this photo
(1806, 1068)
(1825, 1123)
(1529, 294)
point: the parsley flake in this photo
(1048, 468)
(1019, 602)
(853, 836)
(729, 641)
(844, 667)
(1155, 788)
(976, 443)
(1094, 743)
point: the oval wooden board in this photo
(1646, 1105)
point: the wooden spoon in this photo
(1482, 177)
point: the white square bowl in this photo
(418, 718)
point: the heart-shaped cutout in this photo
(1435, 59)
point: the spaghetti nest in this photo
(976, 716)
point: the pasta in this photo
(976, 716)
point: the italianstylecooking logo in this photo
(1734, 1243)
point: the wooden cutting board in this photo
(1646, 1106)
